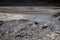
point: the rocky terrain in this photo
(28, 30)
(24, 23)
(29, 27)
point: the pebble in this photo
(58, 32)
(36, 23)
(13, 39)
(44, 27)
(1, 28)
(41, 25)
(56, 15)
(45, 24)
(6, 32)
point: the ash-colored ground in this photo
(28, 30)
(20, 24)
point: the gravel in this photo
(28, 30)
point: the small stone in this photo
(13, 39)
(2, 34)
(41, 25)
(56, 15)
(33, 38)
(6, 32)
(23, 20)
(52, 36)
(45, 24)
(15, 30)
(36, 23)
(58, 32)
(44, 27)
(1, 28)
(19, 36)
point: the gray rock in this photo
(28, 30)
